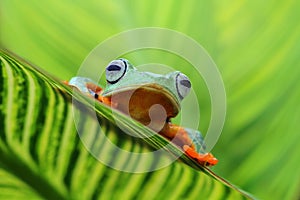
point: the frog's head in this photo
(148, 88)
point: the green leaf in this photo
(42, 155)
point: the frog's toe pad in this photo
(206, 159)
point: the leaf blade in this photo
(77, 164)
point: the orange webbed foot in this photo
(90, 88)
(206, 159)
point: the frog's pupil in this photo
(113, 68)
(186, 83)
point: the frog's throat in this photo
(150, 87)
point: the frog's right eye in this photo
(183, 85)
(115, 70)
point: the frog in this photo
(135, 93)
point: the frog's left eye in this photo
(115, 70)
(183, 85)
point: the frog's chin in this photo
(150, 90)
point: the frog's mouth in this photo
(142, 97)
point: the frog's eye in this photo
(115, 70)
(183, 85)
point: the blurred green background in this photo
(255, 44)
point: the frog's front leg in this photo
(90, 88)
(191, 142)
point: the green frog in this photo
(152, 99)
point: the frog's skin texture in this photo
(136, 93)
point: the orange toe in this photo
(191, 152)
(65, 82)
(206, 159)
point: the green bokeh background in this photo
(255, 44)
